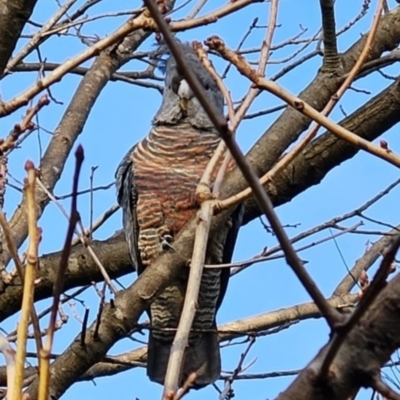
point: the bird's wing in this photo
(236, 221)
(127, 199)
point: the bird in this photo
(156, 184)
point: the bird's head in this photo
(179, 102)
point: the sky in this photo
(122, 116)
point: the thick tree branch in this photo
(72, 123)
(288, 127)
(327, 151)
(365, 350)
(113, 365)
(13, 17)
(82, 270)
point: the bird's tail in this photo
(202, 357)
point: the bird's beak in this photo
(184, 104)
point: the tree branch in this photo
(365, 262)
(13, 17)
(82, 270)
(302, 174)
(71, 125)
(288, 127)
(112, 365)
(365, 350)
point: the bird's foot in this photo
(166, 242)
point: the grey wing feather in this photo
(127, 199)
(236, 220)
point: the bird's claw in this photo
(166, 242)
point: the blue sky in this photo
(122, 116)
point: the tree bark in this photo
(13, 16)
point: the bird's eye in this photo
(207, 87)
(175, 84)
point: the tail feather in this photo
(202, 358)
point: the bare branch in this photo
(38, 37)
(227, 392)
(13, 17)
(289, 157)
(44, 381)
(369, 296)
(9, 356)
(29, 280)
(133, 77)
(384, 389)
(217, 44)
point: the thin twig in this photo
(9, 143)
(384, 389)
(217, 44)
(97, 223)
(375, 287)
(44, 372)
(81, 236)
(38, 37)
(92, 171)
(29, 279)
(196, 9)
(241, 43)
(266, 375)
(99, 312)
(9, 356)
(288, 158)
(264, 57)
(267, 255)
(227, 392)
(80, 11)
(11, 245)
(84, 327)
(203, 189)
